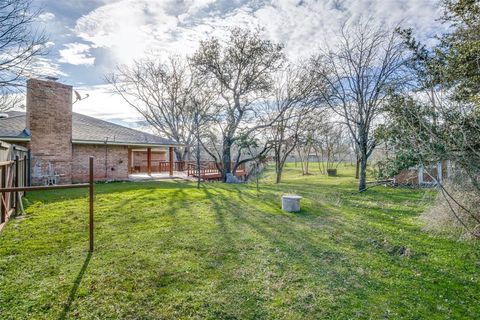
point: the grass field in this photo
(168, 250)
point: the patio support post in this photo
(170, 159)
(149, 161)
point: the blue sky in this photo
(90, 37)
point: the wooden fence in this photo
(7, 191)
(14, 172)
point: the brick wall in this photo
(49, 119)
(114, 168)
(407, 177)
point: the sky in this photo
(88, 38)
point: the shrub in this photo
(456, 211)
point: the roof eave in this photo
(119, 143)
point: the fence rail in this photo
(16, 190)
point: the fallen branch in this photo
(376, 184)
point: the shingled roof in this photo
(85, 129)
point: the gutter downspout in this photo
(106, 158)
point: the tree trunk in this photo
(301, 160)
(257, 177)
(178, 154)
(278, 178)
(198, 160)
(278, 168)
(362, 183)
(227, 147)
(186, 154)
(357, 167)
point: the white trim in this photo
(449, 169)
(439, 171)
(7, 139)
(420, 174)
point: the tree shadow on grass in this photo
(219, 208)
(52, 196)
(76, 285)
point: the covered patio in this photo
(152, 160)
(158, 162)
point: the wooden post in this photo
(3, 200)
(149, 161)
(170, 159)
(25, 169)
(90, 198)
(29, 172)
(16, 183)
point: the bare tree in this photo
(294, 97)
(305, 145)
(361, 70)
(20, 44)
(202, 97)
(242, 69)
(331, 145)
(160, 92)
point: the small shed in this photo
(425, 175)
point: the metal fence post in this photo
(29, 178)
(25, 168)
(16, 184)
(90, 189)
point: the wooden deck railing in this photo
(209, 170)
(163, 166)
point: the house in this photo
(61, 141)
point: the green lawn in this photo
(168, 250)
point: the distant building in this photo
(425, 175)
(60, 141)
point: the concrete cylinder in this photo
(291, 203)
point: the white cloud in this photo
(102, 104)
(49, 44)
(44, 67)
(313, 24)
(76, 54)
(130, 29)
(46, 16)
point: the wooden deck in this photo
(183, 170)
(209, 171)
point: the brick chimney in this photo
(49, 120)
